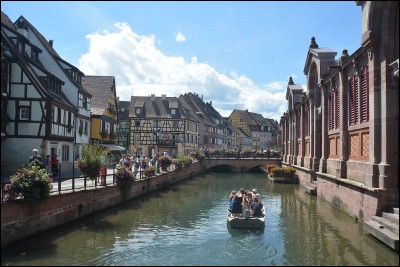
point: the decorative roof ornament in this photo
(313, 43)
(290, 81)
(344, 56)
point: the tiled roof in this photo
(27, 67)
(153, 107)
(6, 20)
(123, 108)
(52, 52)
(99, 87)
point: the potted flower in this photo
(104, 134)
(149, 172)
(123, 177)
(90, 162)
(113, 135)
(165, 162)
(29, 185)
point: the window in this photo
(353, 100)
(157, 124)
(34, 55)
(334, 112)
(364, 105)
(175, 124)
(65, 153)
(24, 114)
(86, 128)
(137, 123)
(173, 111)
(138, 111)
(59, 115)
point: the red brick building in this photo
(342, 133)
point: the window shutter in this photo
(356, 99)
(331, 108)
(337, 113)
(364, 95)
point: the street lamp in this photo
(157, 133)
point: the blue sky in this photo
(237, 54)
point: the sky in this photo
(236, 54)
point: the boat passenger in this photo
(237, 202)
(256, 208)
(231, 200)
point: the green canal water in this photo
(186, 225)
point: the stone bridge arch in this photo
(239, 165)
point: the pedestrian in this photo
(54, 166)
(36, 160)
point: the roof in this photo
(157, 107)
(99, 87)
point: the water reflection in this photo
(186, 225)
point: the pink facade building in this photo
(342, 132)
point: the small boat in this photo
(247, 221)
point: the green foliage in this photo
(150, 171)
(31, 185)
(283, 172)
(271, 167)
(166, 160)
(182, 161)
(91, 161)
(5, 119)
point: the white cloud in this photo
(180, 37)
(141, 69)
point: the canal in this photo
(186, 225)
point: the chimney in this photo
(163, 97)
(153, 97)
(51, 43)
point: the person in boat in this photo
(256, 208)
(231, 200)
(246, 204)
(254, 192)
(237, 202)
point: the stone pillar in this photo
(341, 167)
(302, 133)
(389, 164)
(290, 124)
(312, 135)
(324, 137)
(377, 113)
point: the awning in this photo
(113, 147)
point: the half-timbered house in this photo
(72, 88)
(39, 113)
(124, 125)
(104, 106)
(260, 130)
(213, 130)
(161, 124)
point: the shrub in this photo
(283, 172)
(271, 167)
(30, 184)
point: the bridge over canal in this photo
(239, 165)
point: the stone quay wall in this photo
(19, 221)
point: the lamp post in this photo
(157, 133)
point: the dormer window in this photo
(138, 111)
(34, 55)
(173, 111)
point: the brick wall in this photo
(19, 221)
